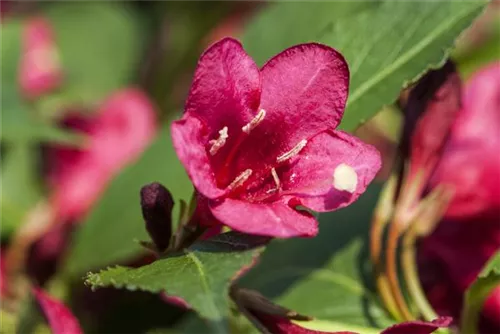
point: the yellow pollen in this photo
(345, 178)
(254, 122)
(240, 179)
(293, 152)
(219, 142)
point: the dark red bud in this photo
(157, 204)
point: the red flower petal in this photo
(280, 325)
(190, 147)
(304, 91)
(450, 260)
(471, 163)
(122, 128)
(332, 171)
(225, 94)
(278, 219)
(418, 327)
(60, 318)
(40, 68)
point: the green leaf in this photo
(387, 44)
(329, 276)
(107, 234)
(100, 45)
(20, 188)
(487, 280)
(201, 275)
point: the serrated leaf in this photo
(118, 211)
(475, 296)
(200, 275)
(329, 276)
(386, 43)
(100, 45)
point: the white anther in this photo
(254, 122)
(345, 178)
(293, 152)
(219, 142)
(276, 181)
(240, 179)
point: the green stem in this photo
(410, 272)
(381, 217)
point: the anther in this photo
(276, 181)
(345, 178)
(219, 142)
(254, 122)
(293, 152)
(240, 179)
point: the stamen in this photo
(276, 181)
(293, 152)
(219, 142)
(254, 122)
(240, 179)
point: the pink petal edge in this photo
(59, 317)
(278, 219)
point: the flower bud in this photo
(429, 114)
(157, 204)
(40, 69)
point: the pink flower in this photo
(59, 317)
(450, 260)
(118, 133)
(453, 255)
(40, 68)
(471, 162)
(258, 143)
(281, 325)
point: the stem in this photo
(410, 271)
(391, 269)
(36, 223)
(381, 216)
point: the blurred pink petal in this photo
(280, 325)
(59, 317)
(174, 300)
(454, 254)
(471, 160)
(40, 69)
(118, 133)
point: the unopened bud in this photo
(157, 204)
(430, 111)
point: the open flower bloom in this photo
(258, 143)
(40, 69)
(118, 133)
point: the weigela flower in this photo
(281, 325)
(118, 133)
(258, 143)
(450, 260)
(454, 254)
(471, 160)
(61, 320)
(40, 69)
(432, 109)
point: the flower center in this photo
(217, 143)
